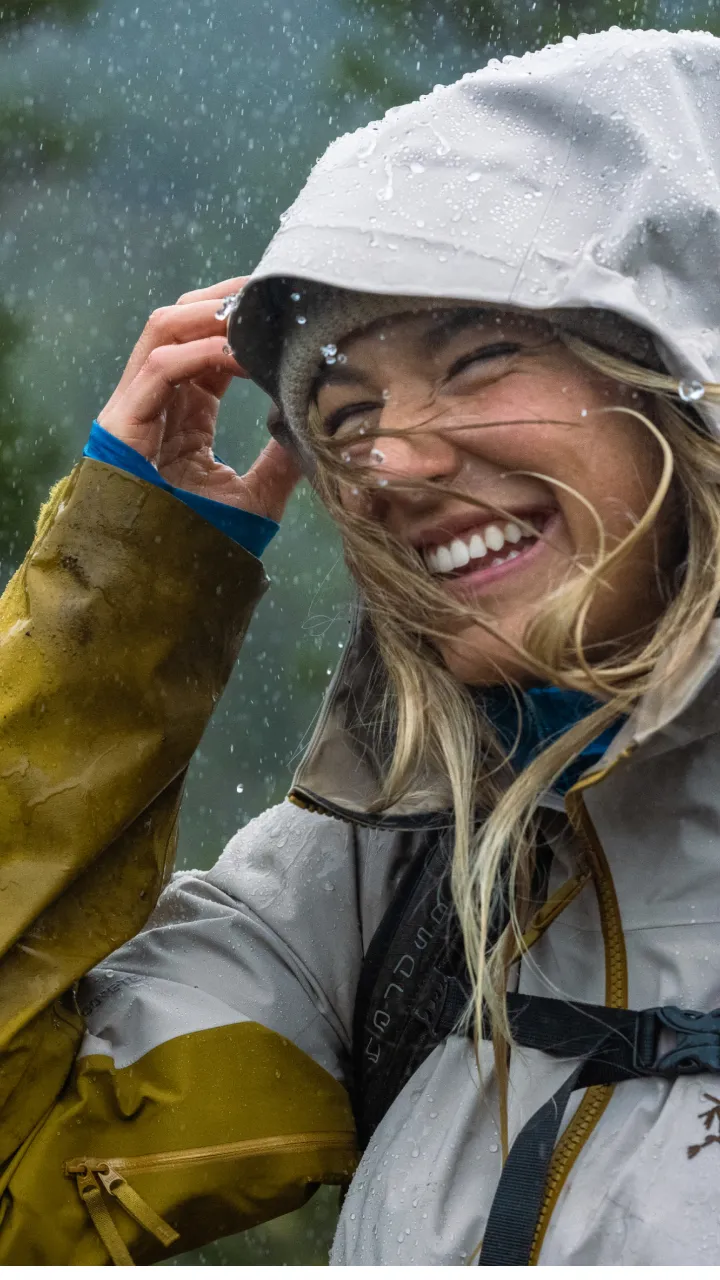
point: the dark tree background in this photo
(147, 149)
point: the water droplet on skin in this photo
(346, 457)
(342, 359)
(382, 483)
(377, 455)
(583, 413)
(689, 390)
(240, 788)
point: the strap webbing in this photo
(615, 1045)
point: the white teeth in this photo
(444, 560)
(460, 554)
(494, 537)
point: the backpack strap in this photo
(414, 985)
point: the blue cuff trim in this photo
(250, 531)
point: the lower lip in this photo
(477, 578)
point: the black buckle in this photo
(696, 1048)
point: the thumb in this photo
(272, 478)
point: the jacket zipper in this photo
(597, 1097)
(94, 1174)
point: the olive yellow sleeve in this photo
(117, 636)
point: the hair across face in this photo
(508, 466)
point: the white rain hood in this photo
(584, 175)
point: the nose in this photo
(414, 452)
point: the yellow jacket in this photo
(117, 635)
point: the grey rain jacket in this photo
(585, 175)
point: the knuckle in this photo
(157, 359)
(159, 318)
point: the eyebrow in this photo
(442, 329)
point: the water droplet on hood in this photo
(226, 306)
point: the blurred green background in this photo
(149, 149)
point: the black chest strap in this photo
(613, 1045)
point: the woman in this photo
(491, 325)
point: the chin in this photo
(475, 662)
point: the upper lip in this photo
(453, 526)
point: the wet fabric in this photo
(250, 531)
(582, 176)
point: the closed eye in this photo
(335, 420)
(484, 353)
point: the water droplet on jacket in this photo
(416, 167)
(329, 351)
(295, 297)
(494, 1147)
(240, 788)
(301, 319)
(690, 390)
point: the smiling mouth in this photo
(490, 546)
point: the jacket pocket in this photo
(100, 1180)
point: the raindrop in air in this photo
(690, 390)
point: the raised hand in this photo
(166, 405)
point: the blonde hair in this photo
(436, 725)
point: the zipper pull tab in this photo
(139, 1209)
(91, 1196)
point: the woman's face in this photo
(526, 405)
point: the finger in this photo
(221, 290)
(272, 477)
(171, 324)
(164, 370)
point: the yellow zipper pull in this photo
(91, 1196)
(139, 1209)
